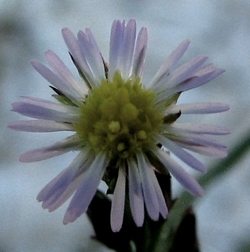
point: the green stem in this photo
(236, 154)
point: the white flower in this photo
(118, 123)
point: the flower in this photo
(121, 125)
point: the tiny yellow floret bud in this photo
(114, 126)
(141, 135)
(121, 147)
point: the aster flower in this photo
(125, 129)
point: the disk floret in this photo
(119, 117)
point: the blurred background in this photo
(219, 29)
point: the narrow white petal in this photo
(44, 109)
(162, 202)
(150, 197)
(118, 202)
(179, 173)
(57, 82)
(77, 90)
(115, 45)
(211, 151)
(86, 190)
(199, 108)
(64, 185)
(140, 52)
(182, 154)
(170, 62)
(199, 128)
(79, 59)
(127, 49)
(63, 179)
(181, 73)
(91, 53)
(135, 193)
(59, 197)
(40, 126)
(59, 148)
(194, 139)
(196, 81)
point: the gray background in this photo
(219, 29)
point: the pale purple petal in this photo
(162, 202)
(194, 139)
(63, 186)
(179, 173)
(58, 198)
(135, 193)
(199, 128)
(211, 151)
(149, 194)
(40, 126)
(170, 62)
(182, 154)
(59, 148)
(118, 202)
(185, 71)
(76, 89)
(198, 80)
(86, 190)
(44, 109)
(199, 108)
(140, 52)
(79, 59)
(181, 73)
(91, 53)
(127, 49)
(115, 45)
(55, 80)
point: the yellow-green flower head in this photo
(123, 127)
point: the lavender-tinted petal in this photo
(40, 126)
(44, 109)
(63, 186)
(180, 74)
(199, 108)
(86, 190)
(179, 173)
(60, 197)
(59, 148)
(135, 193)
(211, 151)
(118, 202)
(116, 38)
(199, 128)
(194, 139)
(60, 68)
(91, 53)
(76, 53)
(55, 80)
(183, 72)
(170, 62)
(140, 52)
(198, 80)
(149, 194)
(182, 154)
(127, 49)
(162, 203)
(63, 179)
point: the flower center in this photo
(119, 117)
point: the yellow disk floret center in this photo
(119, 118)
